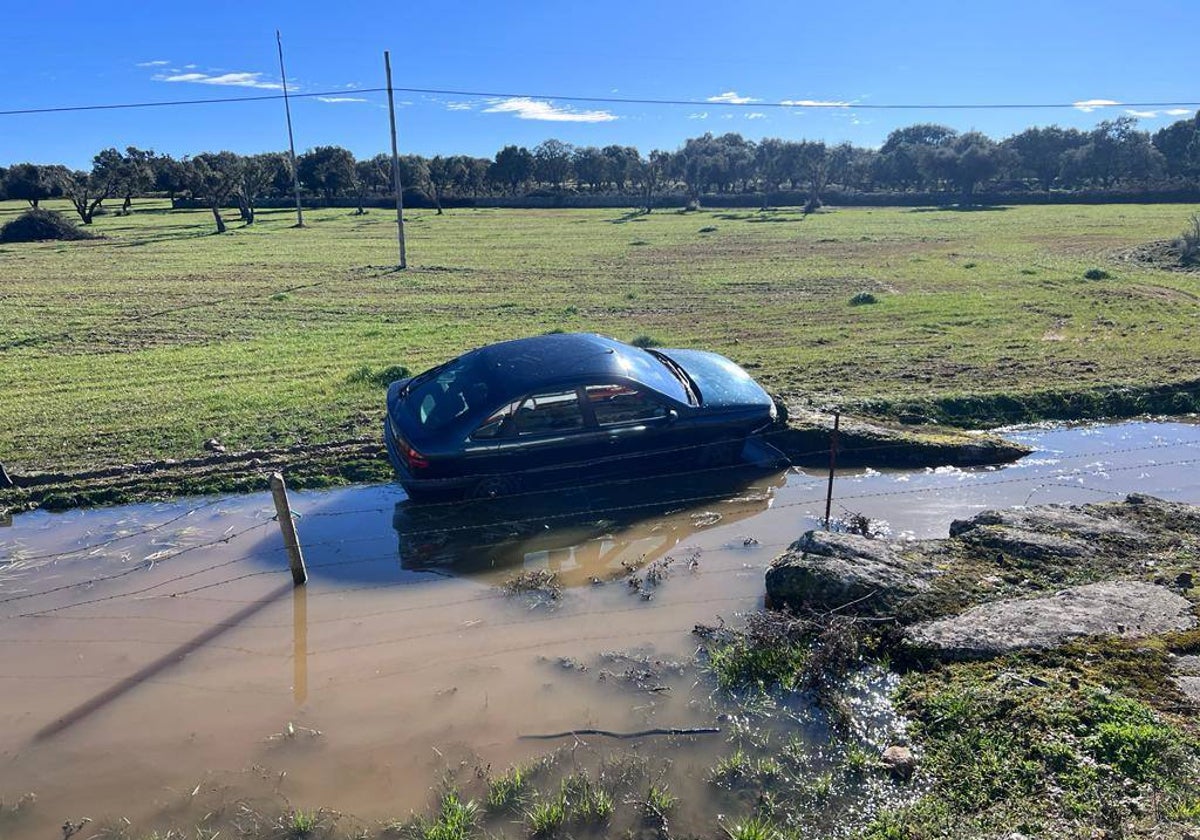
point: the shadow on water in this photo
(583, 534)
(595, 530)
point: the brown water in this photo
(156, 662)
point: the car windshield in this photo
(681, 382)
(445, 394)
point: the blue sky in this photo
(758, 53)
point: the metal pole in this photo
(287, 108)
(387, 63)
(283, 512)
(833, 448)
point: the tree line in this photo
(925, 158)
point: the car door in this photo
(549, 439)
(636, 427)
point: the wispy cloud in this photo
(731, 97)
(460, 106)
(340, 99)
(1177, 112)
(1089, 105)
(699, 115)
(756, 115)
(815, 103)
(250, 80)
(155, 63)
(1145, 115)
(525, 108)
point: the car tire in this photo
(495, 486)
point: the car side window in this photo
(550, 413)
(617, 404)
(495, 425)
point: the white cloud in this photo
(757, 115)
(1177, 112)
(340, 99)
(524, 108)
(250, 80)
(700, 115)
(1089, 105)
(1146, 115)
(815, 103)
(730, 97)
(727, 116)
(460, 106)
(156, 63)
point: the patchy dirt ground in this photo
(1162, 254)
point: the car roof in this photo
(516, 366)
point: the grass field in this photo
(160, 335)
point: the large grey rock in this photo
(1046, 532)
(1187, 676)
(1118, 608)
(824, 570)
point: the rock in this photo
(899, 761)
(1184, 580)
(214, 445)
(1187, 676)
(1046, 532)
(1120, 608)
(1188, 665)
(825, 570)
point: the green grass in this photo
(508, 791)
(160, 335)
(1042, 744)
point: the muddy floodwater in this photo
(157, 663)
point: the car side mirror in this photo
(672, 415)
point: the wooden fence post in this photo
(833, 448)
(283, 512)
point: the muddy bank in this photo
(804, 439)
(356, 460)
(876, 443)
(985, 411)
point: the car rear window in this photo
(441, 396)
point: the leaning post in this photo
(833, 448)
(283, 512)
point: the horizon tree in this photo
(552, 162)
(512, 167)
(327, 170)
(31, 182)
(1040, 151)
(213, 177)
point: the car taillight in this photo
(415, 460)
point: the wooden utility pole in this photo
(287, 109)
(283, 512)
(387, 63)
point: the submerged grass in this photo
(158, 336)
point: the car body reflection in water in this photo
(588, 533)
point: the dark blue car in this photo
(566, 409)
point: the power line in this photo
(614, 100)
